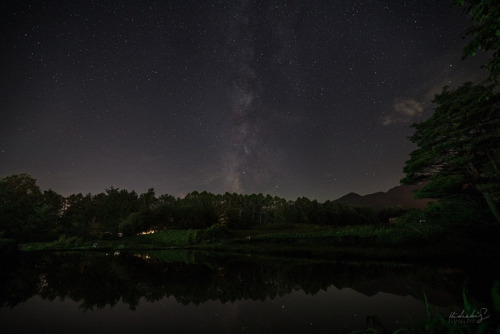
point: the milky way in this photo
(289, 98)
(251, 161)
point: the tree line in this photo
(28, 213)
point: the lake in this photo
(178, 291)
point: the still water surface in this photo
(181, 292)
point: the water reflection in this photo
(195, 291)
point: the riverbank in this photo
(377, 242)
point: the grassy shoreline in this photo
(383, 242)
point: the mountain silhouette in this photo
(398, 196)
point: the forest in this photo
(29, 214)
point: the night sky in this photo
(288, 98)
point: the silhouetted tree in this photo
(19, 197)
(148, 200)
(78, 215)
(484, 33)
(46, 220)
(112, 207)
(458, 150)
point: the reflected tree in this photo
(97, 280)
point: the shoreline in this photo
(326, 243)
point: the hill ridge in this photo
(401, 195)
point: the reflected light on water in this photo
(178, 291)
(333, 310)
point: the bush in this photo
(132, 224)
(65, 242)
(172, 238)
(420, 223)
(217, 231)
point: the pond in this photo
(191, 292)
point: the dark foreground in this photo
(198, 291)
(282, 278)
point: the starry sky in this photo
(288, 98)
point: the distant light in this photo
(147, 232)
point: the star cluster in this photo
(289, 98)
